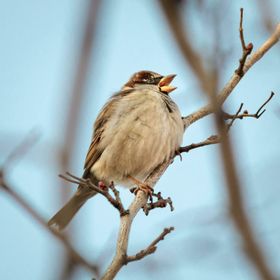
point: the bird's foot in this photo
(142, 187)
(146, 189)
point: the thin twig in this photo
(246, 114)
(246, 50)
(104, 190)
(243, 45)
(213, 139)
(121, 208)
(234, 117)
(150, 249)
(160, 203)
(258, 114)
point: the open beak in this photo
(164, 84)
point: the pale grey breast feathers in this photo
(135, 131)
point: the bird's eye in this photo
(157, 80)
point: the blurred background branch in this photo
(75, 107)
(172, 12)
(234, 188)
(16, 154)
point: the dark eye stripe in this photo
(153, 80)
(157, 79)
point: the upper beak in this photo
(164, 84)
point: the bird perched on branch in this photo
(139, 128)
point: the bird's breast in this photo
(144, 132)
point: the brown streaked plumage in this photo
(137, 129)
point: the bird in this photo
(139, 128)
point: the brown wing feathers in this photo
(95, 149)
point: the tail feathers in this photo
(62, 218)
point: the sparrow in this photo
(139, 128)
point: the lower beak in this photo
(164, 84)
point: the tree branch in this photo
(127, 216)
(150, 249)
(234, 80)
(160, 203)
(246, 114)
(237, 209)
(125, 224)
(101, 189)
(215, 139)
(140, 199)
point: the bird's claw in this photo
(146, 189)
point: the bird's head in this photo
(152, 79)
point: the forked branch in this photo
(246, 114)
(235, 79)
(150, 249)
(215, 139)
(101, 189)
(160, 203)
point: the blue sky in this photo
(40, 41)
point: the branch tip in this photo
(150, 249)
(246, 114)
(246, 49)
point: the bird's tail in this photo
(62, 218)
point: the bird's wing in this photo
(95, 148)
